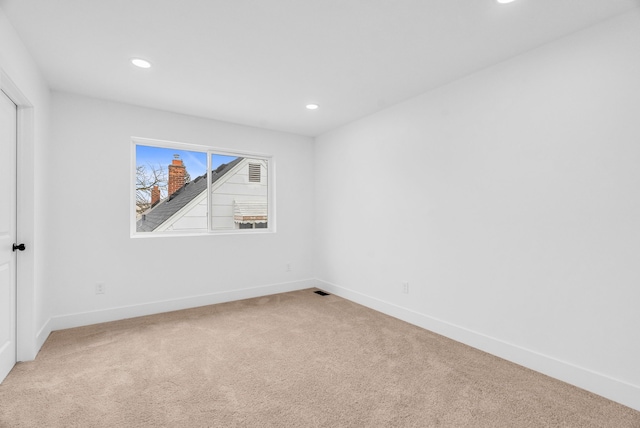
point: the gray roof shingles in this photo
(169, 206)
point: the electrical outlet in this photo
(101, 288)
(288, 268)
(405, 287)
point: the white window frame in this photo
(208, 150)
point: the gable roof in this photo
(180, 198)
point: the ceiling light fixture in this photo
(505, 1)
(140, 63)
(312, 106)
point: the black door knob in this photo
(20, 247)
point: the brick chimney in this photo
(155, 196)
(177, 174)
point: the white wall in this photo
(89, 208)
(510, 202)
(20, 72)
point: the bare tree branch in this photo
(147, 177)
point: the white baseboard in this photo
(598, 383)
(28, 350)
(42, 335)
(114, 314)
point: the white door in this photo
(8, 125)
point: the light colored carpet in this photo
(289, 360)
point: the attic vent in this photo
(254, 173)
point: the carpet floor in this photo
(288, 360)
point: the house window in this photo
(185, 189)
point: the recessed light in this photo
(140, 63)
(312, 106)
(505, 1)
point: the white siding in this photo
(237, 187)
(190, 223)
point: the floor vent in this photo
(322, 293)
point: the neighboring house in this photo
(238, 200)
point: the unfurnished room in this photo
(330, 213)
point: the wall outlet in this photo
(288, 268)
(405, 287)
(101, 288)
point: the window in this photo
(186, 189)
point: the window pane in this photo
(184, 188)
(171, 190)
(239, 192)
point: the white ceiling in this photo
(258, 62)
